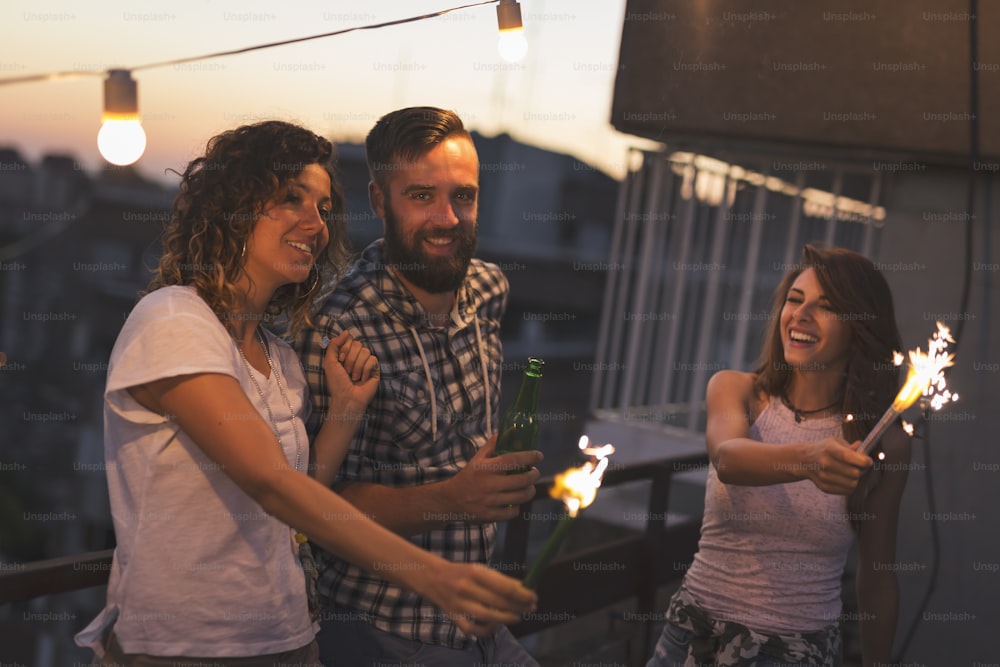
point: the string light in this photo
(512, 45)
(121, 140)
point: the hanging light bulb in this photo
(121, 139)
(512, 45)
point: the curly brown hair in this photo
(222, 194)
(860, 295)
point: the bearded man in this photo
(422, 463)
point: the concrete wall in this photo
(922, 255)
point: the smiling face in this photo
(291, 232)
(429, 208)
(814, 337)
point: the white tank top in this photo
(771, 557)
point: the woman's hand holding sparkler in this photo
(834, 465)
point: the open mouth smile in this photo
(802, 337)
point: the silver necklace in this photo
(281, 390)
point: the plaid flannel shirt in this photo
(397, 444)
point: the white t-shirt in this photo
(200, 569)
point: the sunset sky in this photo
(559, 97)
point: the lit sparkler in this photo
(576, 488)
(925, 378)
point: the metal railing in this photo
(55, 575)
(698, 246)
(645, 560)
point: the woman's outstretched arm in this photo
(832, 464)
(215, 412)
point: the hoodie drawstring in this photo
(430, 381)
(486, 376)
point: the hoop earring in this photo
(315, 283)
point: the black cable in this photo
(53, 76)
(970, 204)
(970, 199)
(311, 37)
(924, 436)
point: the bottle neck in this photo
(527, 393)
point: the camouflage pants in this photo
(672, 651)
(692, 638)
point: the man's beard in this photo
(428, 272)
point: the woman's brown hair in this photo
(222, 194)
(859, 294)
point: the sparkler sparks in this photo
(575, 488)
(924, 378)
(926, 374)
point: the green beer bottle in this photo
(519, 424)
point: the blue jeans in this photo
(357, 643)
(671, 650)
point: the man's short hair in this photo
(405, 135)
